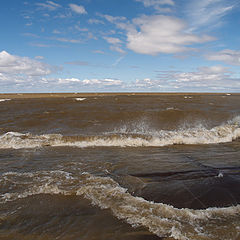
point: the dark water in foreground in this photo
(120, 167)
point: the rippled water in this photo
(120, 167)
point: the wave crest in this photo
(128, 138)
(104, 192)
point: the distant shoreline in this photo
(72, 95)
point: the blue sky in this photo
(120, 46)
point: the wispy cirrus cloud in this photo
(208, 13)
(116, 44)
(67, 40)
(49, 5)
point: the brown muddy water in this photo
(132, 167)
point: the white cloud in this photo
(91, 82)
(81, 29)
(77, 8)
(95, 21)
(120, 21)
(102, 82)
(149, 3)
(55, 31)
(68, 80)
(112, 40)
(203, 79)
(117, 49)
(10, 64)
(68, 40)
(159, 5)
(118, 60)
(228, 56)
(115, 44)
(208, 13)
(49, 5)
(39, 57)
(161, 34)
(204, 75)
(99, 51)
(112, 19)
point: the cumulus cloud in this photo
(228, 56)
(77, 8)
(161, 34)
(11, 64)
(102, 82)
(68, 80)
(91, 82)
(22, 73)
(49, 5)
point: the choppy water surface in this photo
(129, 167)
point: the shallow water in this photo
(120, 167)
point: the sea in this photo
(120, 167)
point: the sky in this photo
(119, 46)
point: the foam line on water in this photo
(161, 219)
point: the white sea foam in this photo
(124, 137)
(161, 219)
(5, 99)
(80, 99)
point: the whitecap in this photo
(5, 99)
(80, 99)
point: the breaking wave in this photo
(161, 219)
(128, 138)
(80, 99)
(5, 99)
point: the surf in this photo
(124, 137)
(161, 219)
